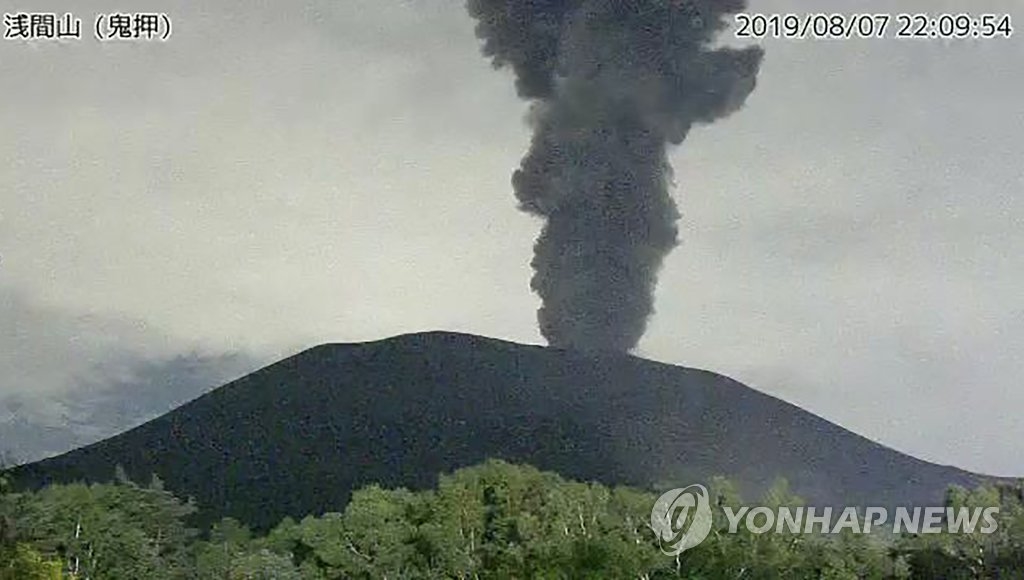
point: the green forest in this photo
(494, 520)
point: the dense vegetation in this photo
(494, 520)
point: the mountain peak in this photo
(298, 436)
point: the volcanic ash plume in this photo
(613, 82)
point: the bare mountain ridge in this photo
(298, 436)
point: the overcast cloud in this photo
(280, 175)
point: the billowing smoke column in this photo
(613, 83)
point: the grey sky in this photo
(281, 175)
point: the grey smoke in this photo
(613, 83)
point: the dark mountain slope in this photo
(298, 436)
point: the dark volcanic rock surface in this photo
(297, 437)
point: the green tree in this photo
(973, 555)
(107, 531)
(491, 521)
(22, 562)
(263, 565)
(19, 561)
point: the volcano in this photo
(297, 437)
